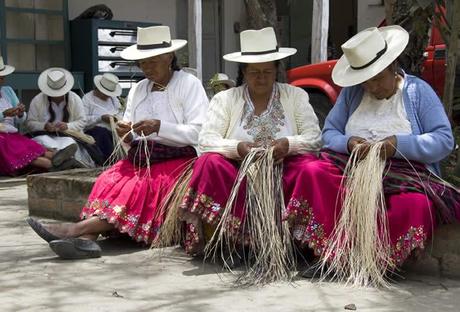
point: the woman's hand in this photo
(280, 150)
(244, 148)
(147, 127)
(20, 109)
(61, 126)
(389, 147)
(10, 112)
(106, 118)
(124, 128)
(49, 127)
(355, 142)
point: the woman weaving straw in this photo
(386, 134)
(261, 114)
(162, 120)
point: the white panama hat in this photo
(5, 69)
(55, 81)
(259, 46)
(107, 84)
(368, 53)
(152, 41)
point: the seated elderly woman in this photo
(56, 112)
(18, 152)
(100, 104)
(162, 120)
(379, 106)
(259, 113)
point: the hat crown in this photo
(257, 41)
(56, 79)
(153, 35)
(364, 47)
(2, 64)
(109, 82)
(221, 76)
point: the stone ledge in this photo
(60, 195)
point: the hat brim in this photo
(260, 58)
(230, 83)
(133, 53)
(345, 76)
(100, 87)
(43, 86)
(7, 70)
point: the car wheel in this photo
(321, 106)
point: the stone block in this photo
(60, 195)
(450, 265)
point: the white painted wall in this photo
(370, 13)
(161, 11)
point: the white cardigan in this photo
(38, 113)
(226, 109)
(188, 102)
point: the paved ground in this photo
(128, 278)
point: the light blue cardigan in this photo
(431, 139)
(8, 92)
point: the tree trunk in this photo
(389, 8)
(262, 13)
(452, 51)
(417, 21)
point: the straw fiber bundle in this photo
(271, 254)
(359, 248)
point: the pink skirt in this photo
(129, 197)
(410, 215)
(209, 188)
(17, 152)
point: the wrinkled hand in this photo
(147, 127)
(106, 118)
(244, 148)
(122, 129)
(280, 150)
(50, 127)
(389, 147)
(20, 109)
(10, 112)
(61, 126)
(358, 142)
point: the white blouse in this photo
(375, 119)
(155, 106)
(96, 107)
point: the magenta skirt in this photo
(410, 215)
(17, 152)
(129, 197)
(209, 188)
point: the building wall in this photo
(370, 13)
(160, 11)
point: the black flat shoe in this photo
(41, 230)
(75, 248)
(64, 154)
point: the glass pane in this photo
(49, 27)
(19, 25)
(21, 56)
(50, 56)
(48, 4)
(20, 3)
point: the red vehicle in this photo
(317, 81)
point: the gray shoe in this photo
(64, 154)
(70, 163)
(41, 230)
(75, 248)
